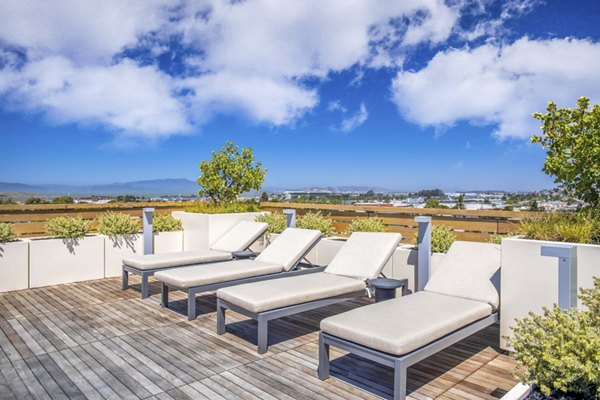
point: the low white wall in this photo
(530, 281)
(202, 230)
(118, 247)
(56, 261)
(14, 265)
(168, 242)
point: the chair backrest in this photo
(240, 237)
(364, 254)
(466, 271)
(289, 247)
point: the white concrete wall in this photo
(118, 247)
(530, 281)
(14, 265)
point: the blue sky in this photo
(403, 95)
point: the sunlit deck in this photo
(93, 340)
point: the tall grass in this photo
(563, 227)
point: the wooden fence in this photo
(469, 225)
(29, 219)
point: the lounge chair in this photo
(361, 258)
(281, 258)
(458, 300)
(239, 238)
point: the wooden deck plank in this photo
(94, 340)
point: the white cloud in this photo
(124, 96)
(356, 120)
(336, 106)
(499, 85)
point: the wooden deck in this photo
(93, 340)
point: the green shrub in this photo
(441, 239)
(314, 220)
(497, 238)
(559, 351)
(113, 224)
(372, 224)
(166, 223)
(68, 227)
(562, 227)
(223, 208)
(277, 222)
(7, 234)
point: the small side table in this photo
(385, 289)
(243, 255)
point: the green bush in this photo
(68, 227)
(7, 234)
(113, 224)
(497, 238)
(559, 351)
(166, 223)
(372, 224)
(223, 208)
(277, 222)
(441, 239)
(562, 227)
(314, 220)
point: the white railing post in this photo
(290, 213)
(567, 272)
(147, 216)
(424, 251)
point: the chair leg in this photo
(125, 280)
(191, 305)
(323, 358)
(220, 318)
(145, 289)
(263, 334)
(399, 381)
(164, 295)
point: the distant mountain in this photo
(155, 187)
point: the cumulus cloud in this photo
(354, 121)
(500, 85)
(98, 61)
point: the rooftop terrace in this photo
(93, 340)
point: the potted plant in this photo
(230, 172)
(70, 255)
(168, 234)
(122, 239)
(14, 260)
(277, 223)
(530, 280)
(558, 352)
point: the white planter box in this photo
(530, 281)
(202, 230)
(404, 264)
(118, 247)
(263, 242)
(14, 265)
(56, 261)
(168, 242)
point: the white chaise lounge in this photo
(281, 258)
(239, 238)
(361, 258)
(458, 300)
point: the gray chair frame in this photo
(400, 363)
(193, 291)
(264, 317)
(146, 273)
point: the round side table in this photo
(385, 289)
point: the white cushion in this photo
(289, 247)
(404, 324)
(283, 292)
(364, 254)
(240, 237)
(206, 274)
(175, 259)
(466, 271)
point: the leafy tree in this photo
(36, 200)
(572, 142)
(63, 200)
(229, 173)
(434, 203)
(8, 201)
(534, 206)
(431, 193)
(460, 202)
(264, 197)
